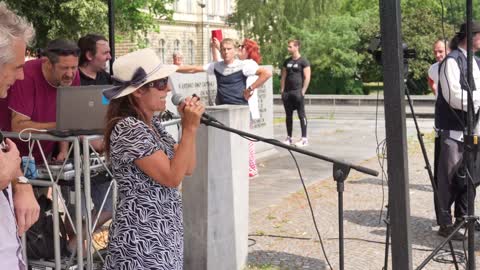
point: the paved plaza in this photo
(282, 235)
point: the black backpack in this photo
(40, 235)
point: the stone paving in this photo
(282, 235)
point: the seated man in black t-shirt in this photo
(95, 54)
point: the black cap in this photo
(475, 28)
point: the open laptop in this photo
(80, 110)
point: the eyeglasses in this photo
(160, 84)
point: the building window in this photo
(211, 7)
(161, 50)
(175, 5)
(190, 52)
(189, 6)
(176, 45)
(218, 8)
(228, 7)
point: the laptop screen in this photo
(81, 108)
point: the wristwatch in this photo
(22, 180)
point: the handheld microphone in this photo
(177, 99)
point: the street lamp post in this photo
(202, 5)
(111, 32)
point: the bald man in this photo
(439, 51)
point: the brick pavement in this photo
(282, 235)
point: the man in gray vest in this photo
(451, 119)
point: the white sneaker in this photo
(302, 142)
(288, 141)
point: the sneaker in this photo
(288, 141)
(302, 142)
(252, 175)
(446, 230)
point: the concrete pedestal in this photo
(215, 197)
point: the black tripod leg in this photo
(427, 167)
(454, 258)
(420, 140)
(435, 251)
(387, 239)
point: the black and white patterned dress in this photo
(147, 231)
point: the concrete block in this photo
(215, 197)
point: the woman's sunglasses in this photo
(160, 84)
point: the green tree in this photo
(337, 34)
(331, 45)
(367, 12)
(74, 18)
(272, 22)
(421, 26)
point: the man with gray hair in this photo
(18, 209)
(177, 58)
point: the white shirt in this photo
(253, 100)
(10, 248)
(433, 75)
(452, 91)
(249, 69)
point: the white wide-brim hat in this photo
(133, 70)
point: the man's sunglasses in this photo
(160, 84)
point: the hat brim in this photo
(162, 72)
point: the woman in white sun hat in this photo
(147, 163)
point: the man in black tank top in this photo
(294, 85)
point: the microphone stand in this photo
(341, 170)
(471, 145)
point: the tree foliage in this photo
(74, 18)
(336, 35)
(334, 47)
(272, 22)
(421, 27)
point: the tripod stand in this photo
(469, 220)
(410, 84)
(341, 170)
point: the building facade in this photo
(190, 31)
